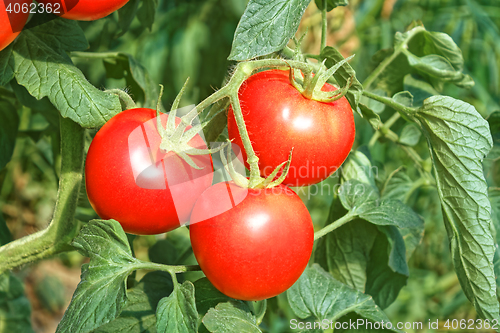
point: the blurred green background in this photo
(193, 39)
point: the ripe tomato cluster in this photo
(12, 21)
(251, 243)
(85, 10)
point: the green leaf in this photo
(363, 201)
(101, 293)
(354, 194)
(207, 296)
(9, 123)
(370, 115)
(442, 44)
(440, 68)
(46, 71)
(15, 308)
(331, 4)
(494, 122)
(397, 186)
(410, 135)
(318, 294)
(387, 270)
(59, 34)
(218, 123)
(177, 312)
(231, 317)
(459, 138)
(6, 65)
(343, 74)
(345, 253)
(50, 294)
(139, 313)
(375, 106)
(494, 197)
(266, 27)
(5, 235)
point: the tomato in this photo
(278, 118)
(83, 10)
(130, 179)
(251, 244)
(12, 22)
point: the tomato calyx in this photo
(310, 84)
(176, 138)
(262, 183)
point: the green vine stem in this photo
(387, 61)
(324, 25)
(243, 71)
(337, 224)
(63, 228)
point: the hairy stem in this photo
(387, 61)
(324, 26)
(384, 127)
(125, 99)
(94, 55)
(58, 236)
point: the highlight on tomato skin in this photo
(129, 179)
(251, 244)
(278, 118)
(85, 10)
(12, 20)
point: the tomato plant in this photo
(83, 10)
(130, 179)
(12, 22)
(256, 249)
(272, 105)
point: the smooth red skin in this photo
(257, 249)
(319, 149)
(112, 189)
(87, 10)
(11, 24)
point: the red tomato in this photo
(84, 10)
(129, 179)
(278, 118)
(12, 22)
(251, 244)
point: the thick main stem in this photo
(63, 228)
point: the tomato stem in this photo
(168, 268)
(338, 223)
(58, 236)
(243, 71)
(387, 61)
